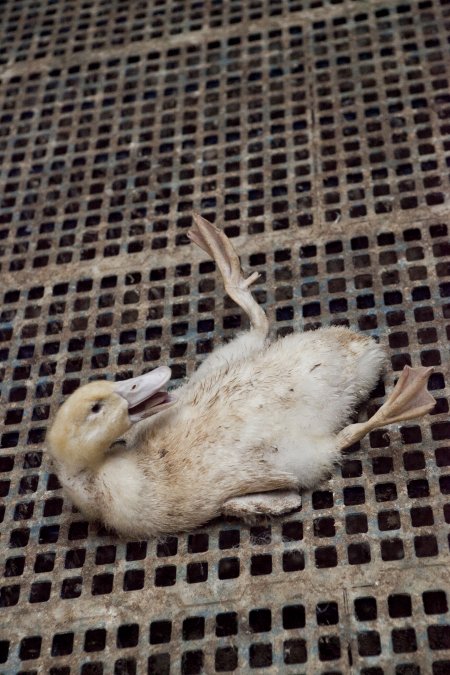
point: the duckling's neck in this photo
(113, 492)
(77, 457)
(81, 487)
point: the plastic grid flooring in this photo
(316, 134)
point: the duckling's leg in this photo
(218, 246)
(248, 507)
(409, 399)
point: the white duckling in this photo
(257, 421)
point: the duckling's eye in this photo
(96, 407)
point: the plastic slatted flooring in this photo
(317, 133)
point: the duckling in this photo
(258, 421)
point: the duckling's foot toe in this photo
(409, 399)
(260, 504)
(215, 242)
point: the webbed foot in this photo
(215, 242)
(409, 399)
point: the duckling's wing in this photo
(249, 507)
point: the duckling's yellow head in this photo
(98, 413)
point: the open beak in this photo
(143, 393)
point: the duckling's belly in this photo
(293, 398)
(308, 457)
(311, 382)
